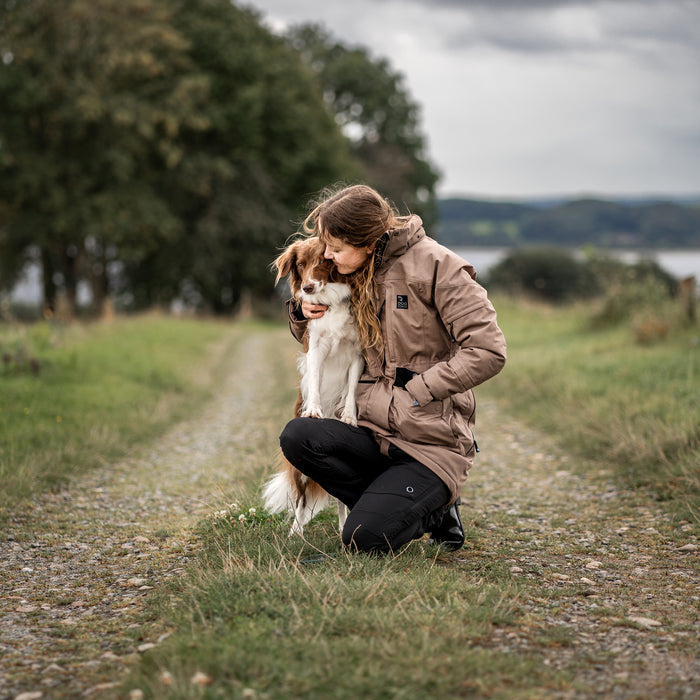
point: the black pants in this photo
(390, 498)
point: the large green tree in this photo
(159, 147)
(95, 95)
(373, 106)
(271, 142)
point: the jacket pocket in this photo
(373, 401)
(427, 425)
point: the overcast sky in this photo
(538, 97)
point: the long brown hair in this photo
(357, 215)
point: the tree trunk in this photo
(99, 284)
(70, 278)
(48, 270)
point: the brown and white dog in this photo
(330, 368)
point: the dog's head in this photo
(308, 270)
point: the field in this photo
(634, 407)
(581, 523)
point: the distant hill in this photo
(622, 223)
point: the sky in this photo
(532, 98)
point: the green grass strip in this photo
(270, 616)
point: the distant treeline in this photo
(605, 223)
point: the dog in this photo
(329, 368)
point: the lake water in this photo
(679, 263)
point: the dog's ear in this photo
(286, 262)
(335, 276)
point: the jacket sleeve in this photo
(470, 318)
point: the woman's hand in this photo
(312, 311)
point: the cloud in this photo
(565, 26)
(548, 96)
(535, 31)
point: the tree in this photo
(374, 109)
(155, 147)
(270, 144)
(96, 94)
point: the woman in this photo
(429, 336)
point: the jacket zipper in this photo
(452, 335)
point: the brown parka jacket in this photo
(441, 339)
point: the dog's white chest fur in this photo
(332, 364)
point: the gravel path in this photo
(76, 567)
(608, 582)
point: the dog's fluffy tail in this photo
(278, 494)
(281, 493)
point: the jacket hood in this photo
(397, 241)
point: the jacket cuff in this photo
(295, 313)
(297, 322)
(419, 391)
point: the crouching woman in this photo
(429, 336)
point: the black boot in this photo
(448, 530)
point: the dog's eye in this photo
(300, 265)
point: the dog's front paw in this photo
(312, 413)
(349, 417)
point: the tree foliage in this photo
(270, 142)
(94, 93)
(372, 105)
(154, 147)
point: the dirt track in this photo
(609, 582)
(78, 566)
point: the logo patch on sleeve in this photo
(402, 301)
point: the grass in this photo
(78, 396)
(269, 616)
(630, 406)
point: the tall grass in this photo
(73, 397)
(632, 406)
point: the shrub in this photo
(612, 272)
(641, 292)
(549, 273)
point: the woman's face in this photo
(346, 257)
